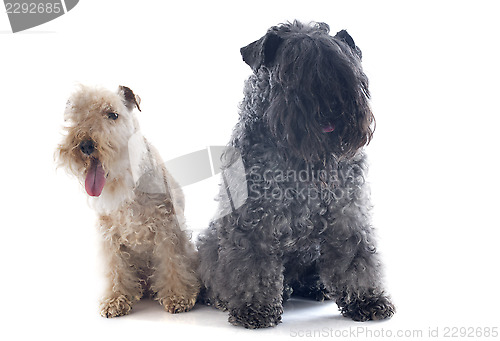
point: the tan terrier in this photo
(140, 206)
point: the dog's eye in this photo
(112, 115)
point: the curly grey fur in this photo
(305, 228)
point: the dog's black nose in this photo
(87, 147)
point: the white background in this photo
(434, 72)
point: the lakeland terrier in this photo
(140, 206)
(305, 227)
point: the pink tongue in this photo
(95, 180)
(328, 128)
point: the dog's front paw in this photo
(115, 306)
(256, 317)
(377, 308)
(175, 304)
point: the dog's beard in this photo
(316, 138)
(304, 133)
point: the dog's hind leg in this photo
(208, 249)
(308, 284)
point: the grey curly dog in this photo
(305, 227)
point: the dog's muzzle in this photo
(87, 147)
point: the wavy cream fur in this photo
(140, 209)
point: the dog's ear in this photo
(346, 38)
(261, 52)
(130, 99)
